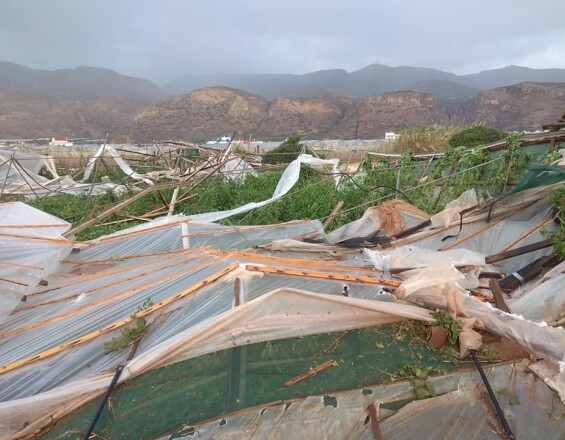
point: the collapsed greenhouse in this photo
(185, 328)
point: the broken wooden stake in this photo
(527, 273)
(519, 251)
(310, 373)
(333, 214)
(498, 296)
(377, 434)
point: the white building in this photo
(60, 140)
(391, 136)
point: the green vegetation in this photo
(451, 325)
(315, 194)
(423, 139)
(476, 136)
(285, 152)
(557, 201)
(549, 157)
(131, 334)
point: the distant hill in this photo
(507, 76)
(209, 112)
(522, 106)
(88, 102)
(446, 90)
(28, 116)
(371, 80)
(85, 101)
(206, 112)
(77, 83)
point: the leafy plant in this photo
(475, 136)
(423, 139)
(418, 377)
(549, 157)
(130, 334)
(285, 152)
(557, 202)
(450, 324)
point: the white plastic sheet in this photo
(23, 168)
(31, 247)
(288, 180)
(546, 300)
(237, 169)
(437, 287)
(407, 257)
(119, 161)
(389, 218)
(451, 211)
(279, 314)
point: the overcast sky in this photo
(161, 39)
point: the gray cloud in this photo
(161, 39)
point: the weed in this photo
(131, 334)
(418, 377)
(451, 325)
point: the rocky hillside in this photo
(209, 112)
(29, 116)
(523, 106)
(81, 102)
(88, 102)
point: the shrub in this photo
(285, 152)
(475, 136)
(423, 139)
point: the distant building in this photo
(220, 141)
(60, 140)
(391, 136)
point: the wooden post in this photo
(377, 434)
(498, 296)
(333, 214)
(237, 292)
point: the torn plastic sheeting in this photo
(390, 217)
(552, 373)
(451, 211)
(236, 169)
(528, 404)
(31, 248)
(498, 235)
(287, 181)
(414, 257)
(20, 419)
(119, 161)
(427, 286)
(545, 302)
(17, 167)
(460, 411)
(280, 314)
(507, 207)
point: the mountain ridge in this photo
(88, 102)
(370, 80)
(207, 112)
